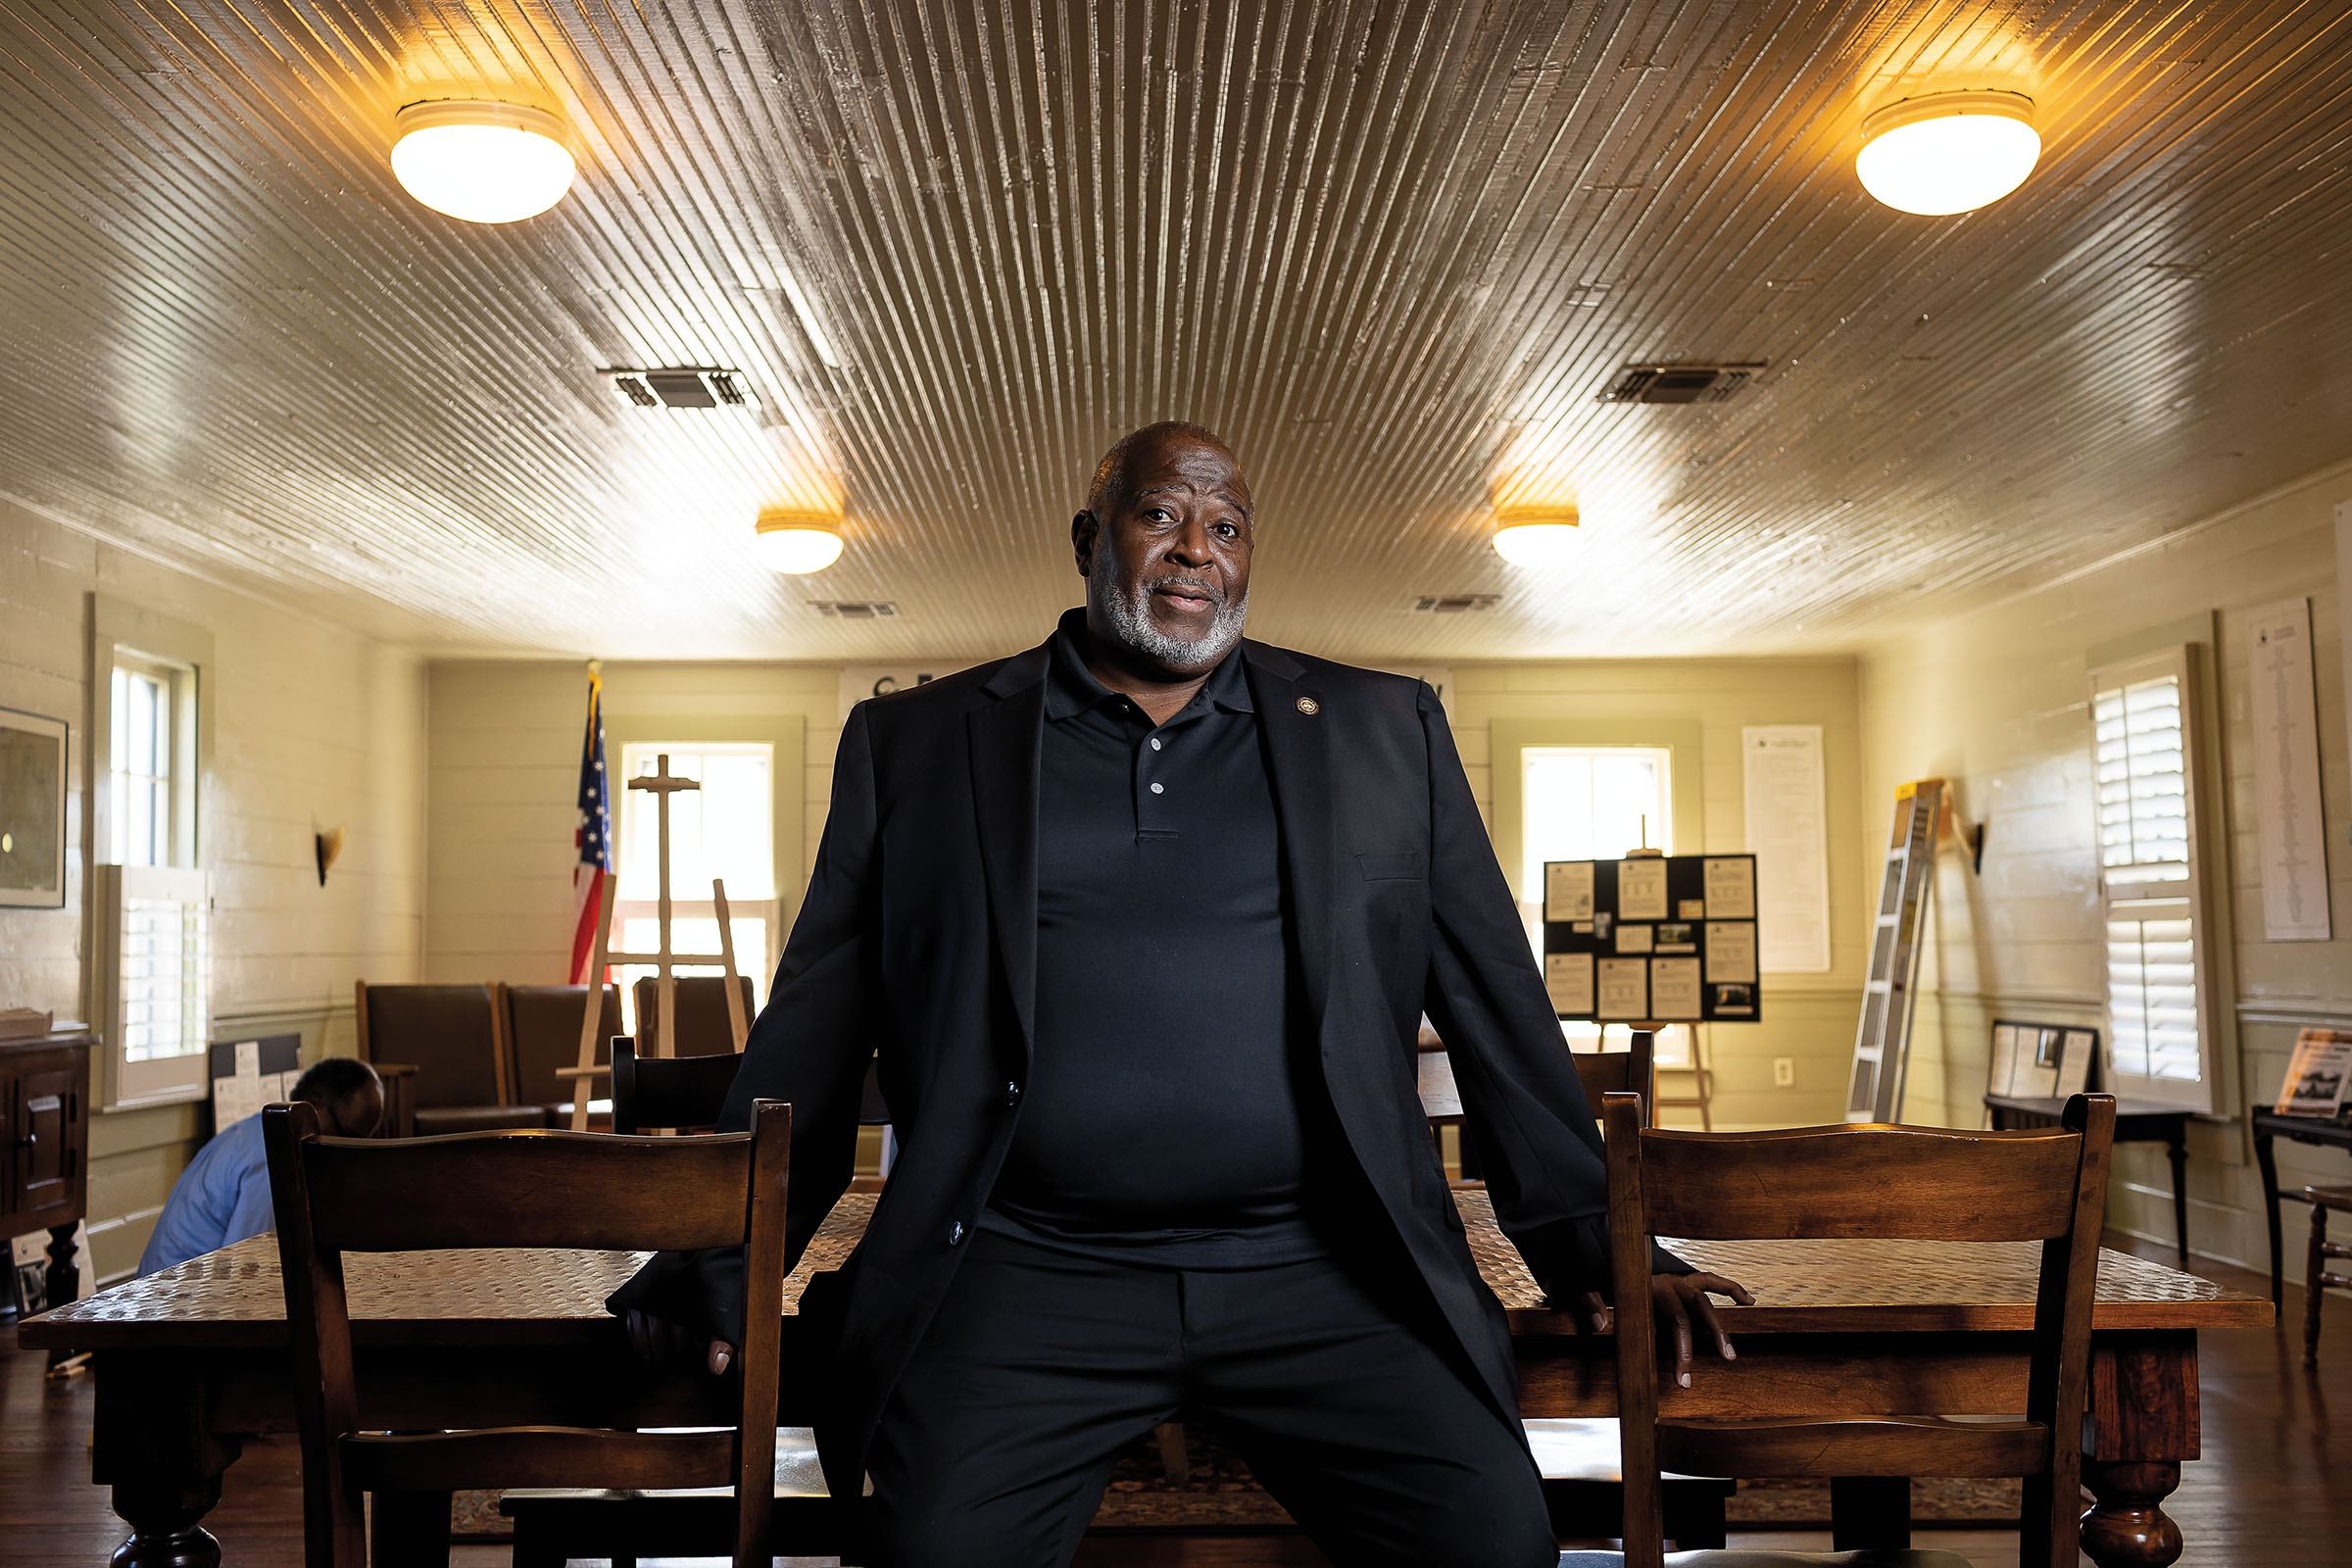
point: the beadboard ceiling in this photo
(1392, 250)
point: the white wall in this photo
(1997, 700)
(312, 727)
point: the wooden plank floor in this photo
(2270, 1488)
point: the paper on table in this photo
(1641, 889)
(1568, 977)
(1568, 890)
(1731, 887)
(1730, 950)
(2074, 1061)
(1634, 937)
(2004, 1060)
(1674, 987)
(1782, 782)
(1624, 989)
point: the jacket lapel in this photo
(1006, 737)
(1298, 766)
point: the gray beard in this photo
(1128, 608)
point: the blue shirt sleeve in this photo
(253, 1212)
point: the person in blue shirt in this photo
(223, 1195)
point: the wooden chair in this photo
(1840, 1182)
(684, 1093)
(705, 1028)
(446, 1045)
(2320, 1277)
(542, 1027)
(1578, 1458)
(544, 1189)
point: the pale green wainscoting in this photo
(135, 1156)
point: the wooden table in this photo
(2268, 1126)
(2137, 1121)
(192, 1360)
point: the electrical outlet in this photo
(1784, 1072)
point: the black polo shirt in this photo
(1160, 1121)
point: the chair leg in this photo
(2313, 1288)
(1174, 1458)
(411, 1530)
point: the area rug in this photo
(1219, 1494)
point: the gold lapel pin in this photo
(1310, 706)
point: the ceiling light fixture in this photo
(798, 542)
(1948, 152)
(483, 161)
(1535, 537)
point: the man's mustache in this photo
(1206, 590)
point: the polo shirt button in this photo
(1159, 789)
(1155, 743)
(1013, 1094)
(955, 1233)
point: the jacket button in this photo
(954, 1232)
(1013, 1094)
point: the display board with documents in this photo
(1653, 939)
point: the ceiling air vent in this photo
(1681, 383)
(855, 608)
(681, 386)
(1456, 603)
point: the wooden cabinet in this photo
(45, 1165)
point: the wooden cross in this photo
(662, 784)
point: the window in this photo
(725, 829)
(146, 776)
(1589, 803)
(150, 979)
(2158, 980)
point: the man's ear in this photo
(1085, 528)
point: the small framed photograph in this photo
(32, 810)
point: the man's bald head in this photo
(1116, 473)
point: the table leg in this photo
(2179, 1151)
(152, 1446)
(164, 1528)
(2128, 1528)
(1869, 1513)
(64, 1278)
(2268, 1162)
(2143, 1423)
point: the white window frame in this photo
(762, 966)
(2158, 891)
(132, 637)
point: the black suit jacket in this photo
(916, 948)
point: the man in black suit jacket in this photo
(1139, 926)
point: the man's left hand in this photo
(1677, 1298)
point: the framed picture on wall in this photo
(32, 810)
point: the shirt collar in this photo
(1071, 688)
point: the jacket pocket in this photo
(1399, 867)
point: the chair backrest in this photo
(705, 1028)
(1868, 1181)
(531, 1190)
(686, 1093)
(1616, 1072)
(543, 1033)
(452, 1034)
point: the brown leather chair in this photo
(542, 1026)
(704, 1028)
(451, 1039)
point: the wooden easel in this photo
(662, 784)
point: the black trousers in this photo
(996, 1444)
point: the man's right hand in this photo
(659, 1339)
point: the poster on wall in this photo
(2286, 774)
(32, 811)
(1782, 781)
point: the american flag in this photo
(594, 837)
